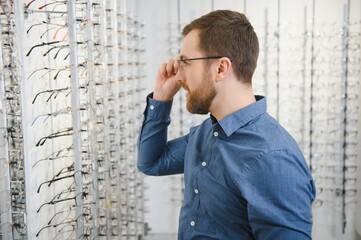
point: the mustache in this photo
(185, 87)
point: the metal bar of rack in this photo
(5, 208)
(75, 105)
(344, 107)
(311, 153)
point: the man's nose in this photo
(179, 77)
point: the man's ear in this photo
(224, 68)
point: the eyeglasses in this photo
(184, 62)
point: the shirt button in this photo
(196, 191)
(204, 164)
(193, 223)
(151, 107)
(215, 134)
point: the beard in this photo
(200, 99)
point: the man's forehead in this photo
(190, 44)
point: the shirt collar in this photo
(243, 116)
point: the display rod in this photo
(106, 88)
(344, 73)
(91, 114)
(5, 208)
(310, 157)
(75, 104)
(304, 47)
(265, 52)
(19, 31)
(278, 59)
(114, 5)
(117, 6)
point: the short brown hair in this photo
(230, 34)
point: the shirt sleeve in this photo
(156, 155)
(279, 191)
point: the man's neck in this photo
(231, 98)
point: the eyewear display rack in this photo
(70, 93)
(311, 76)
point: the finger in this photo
(169, 67)
(162, 69)
(175, 66)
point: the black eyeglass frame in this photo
(184, 60)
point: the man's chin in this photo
(193, 111)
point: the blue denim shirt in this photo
(245, 176)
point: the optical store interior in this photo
(73, 86)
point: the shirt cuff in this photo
(157, 109)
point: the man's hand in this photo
(166, 83)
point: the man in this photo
(244, 175)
